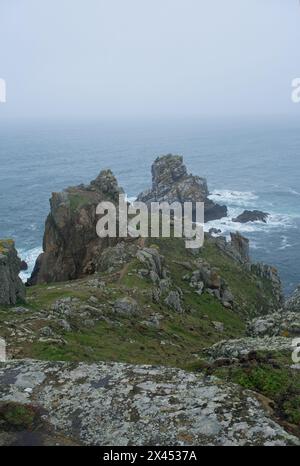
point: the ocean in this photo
(250, 163)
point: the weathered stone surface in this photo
(120, 404)
(11, 286)
(115, 256)
(240, 244)
(251, 216)
(173, 301)
(127, 306)
(244, 346)
(172, 183)
(276, 324)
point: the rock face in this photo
(171, 183)
(71, 245)
(241, 245)
(293, 302)
(251, 216)
(237, 248)
(120, 404)
(11, 286)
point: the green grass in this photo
(272, 378)
(16, 416)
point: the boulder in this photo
(251, 216)
(126, 306)
(172, 183)
(23, 266)
(11, 287)
(173, 301)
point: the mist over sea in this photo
(249, 163)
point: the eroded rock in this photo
(121, 404)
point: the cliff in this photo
(11, 286)
(70, 243)
(140, 302)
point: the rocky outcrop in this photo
(121, 404)
(71, 247)
(277, 324)
(240, 244)
(11, 286)
(244, 346)
(172, 183)
(292, 304)
(207, 278)
(237, 248)
(251, 216)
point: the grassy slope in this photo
(180, 337)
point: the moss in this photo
(271, 376)
(77, 200)
(5, 244)
(16, 416)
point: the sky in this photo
(149, 58)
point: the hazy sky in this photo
(149, 57)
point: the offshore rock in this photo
(172, 183)
(251, 216)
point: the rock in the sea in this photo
(71, 245)
(251, 216)
(172, 183)
(23, 266)
(214, 231)
(121, 404)
(11, 287)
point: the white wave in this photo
(237, 198)
(275, 222)
(29, 256)
(293, 191)
(284, 243)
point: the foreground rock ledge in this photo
(122, 404)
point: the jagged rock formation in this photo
(292, 304)
(238, 249)
(121, 404)
(251, 216)
(11, 286)
(171, 183)
(71, 245)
